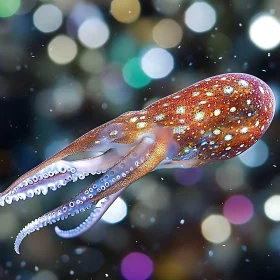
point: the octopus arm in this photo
(59, 174)
(139, 161)
(92, 219)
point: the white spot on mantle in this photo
(217, 112)
(228, 90)
(199, 116)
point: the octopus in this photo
(214, 119)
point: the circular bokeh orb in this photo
(256, 155)
(93, 33)
(125, 11)
(136, 266)
(272, 208)
(238, 209)
(188, 176)
(170, 27)
(47, 18)
(200, 17)
(134, 75)
(216, 228)
(157, 63)
(116, 212)
(62, 49)
(8, 7)
(264, 31)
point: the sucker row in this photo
(52, 177)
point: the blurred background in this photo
(68, 66)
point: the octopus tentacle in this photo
(140, 160)
(94, 140)
(91, 220)
(59, 174)
(51, 217)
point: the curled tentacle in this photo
(91, 220)
(51, 217)
(143, 158)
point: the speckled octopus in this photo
(215, 119)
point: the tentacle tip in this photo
(17, 249)
(57, 230)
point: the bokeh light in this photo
(200, 17)
(45, 275)
(67, 97)
(116, 212)
(47, 18)
(93, 33)
(264, 31)
(256, 155)
(142, 216)
(62, 49)
(79, 13)
(92, 61)
(272, 207)
(157, 63)
(230, 175)
(134, 75)
(216, 229)
(238, 209)
(170, 27)
(8, 7)
(156, 197)
(167, 7)
(26, 6)
(188, 177)
(123, 48)
(125, 11)
(136, 266)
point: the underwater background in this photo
(68, 66)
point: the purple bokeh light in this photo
(238, 209)
(136, 266)
(188, 177)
